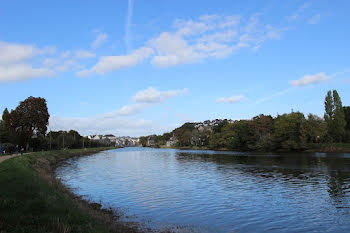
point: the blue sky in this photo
(137, 67)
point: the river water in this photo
(207, 191)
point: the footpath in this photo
(6, 157)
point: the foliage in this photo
(184, 134)
(288, 130)
(334, 116)
(347, 117)
(29, 120)
(143, 141)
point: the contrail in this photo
(128, 25)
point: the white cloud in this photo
(100, 39)
(314, 19)
(145, 99)
(83, 73)
(110, 63)
(16, 53)
(231, 100)
(310, 79)
(20, 72)
(84, 54)
(152, 95)
(104, 125)
(131, 109)
(210, 36)
(173, 50)
(16, 59)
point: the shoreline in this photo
(315, 148)
(38, 171)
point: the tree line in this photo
(289, 131)
(26, 127)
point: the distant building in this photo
(151, 140)
(171, 142)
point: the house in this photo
(151, 140)
(171, 142)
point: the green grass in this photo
(29, 203)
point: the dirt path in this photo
(3, 158)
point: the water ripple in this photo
(206, 191)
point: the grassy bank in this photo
(32, 200)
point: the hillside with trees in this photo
(287, 132)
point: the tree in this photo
(347, 119)
(143, 141)
(288, 131)
(334, 116)
(315, 129)
(29, 119)
(261, 133)
(4, 127)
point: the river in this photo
(207, 191)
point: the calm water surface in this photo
(206, 191)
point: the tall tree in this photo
(347, 117)
(29, 119)
(334, 116)
(4, 127)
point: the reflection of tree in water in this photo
(338, 187)
(286, 167)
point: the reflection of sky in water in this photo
(218, 191)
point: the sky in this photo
(141, 67)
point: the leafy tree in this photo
(29, 119)
(334, 116)
(4, 127)
(159, 140)
(143, 141)
(347, 119)
(288, 131)
(261, 133)
(184, 134)
(315, 129)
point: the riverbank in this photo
(315, 147)
(33, 200)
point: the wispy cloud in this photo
(310, 79)
(299, 12)
(231, 100)
(274, 95)
(191, 41)
(314, 19)
(128, 25)
(100, 39)
(110, 63)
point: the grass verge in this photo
(33, 200)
